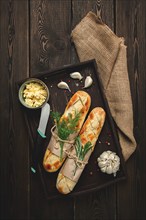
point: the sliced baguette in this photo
(70, 172)
(80, 102)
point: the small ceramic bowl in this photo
(33, 93)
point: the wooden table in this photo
(35, 37)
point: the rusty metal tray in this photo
(92, 178)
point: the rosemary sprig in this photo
(80, 150)
(65, 127)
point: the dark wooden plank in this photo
(50, 23)
(50, 26)
(130, 23)
(13, 151)
(105, 10)
(95, 205)
(50, 34)
(98, 205)
(79, 9)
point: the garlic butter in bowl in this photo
(33, 93)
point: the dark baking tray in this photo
(92, 178)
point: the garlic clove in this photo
(117, 159)
(116, 166)
(103, 169)
(104, 155)
(109, 169)
(88, 82)
(63, 85)
(111, 156)
(101, 164)
(76, 75)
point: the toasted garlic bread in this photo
(79, 104)
(80, 154)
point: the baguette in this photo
(78, 104)
(75, 163)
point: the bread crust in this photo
(67, 178)
(79, 102)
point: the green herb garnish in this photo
(65, 127)
(80, 150)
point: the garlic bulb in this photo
(109, 162)
(88, 82)
(76, 75)
(63, 85)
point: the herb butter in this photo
(34, 94)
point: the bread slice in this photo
(78, 104)
(75, 163)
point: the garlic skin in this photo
(109, 162)
(63, 85)
(88, 82)
(76, 75)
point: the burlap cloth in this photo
(95, 40)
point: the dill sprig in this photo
(65, 127)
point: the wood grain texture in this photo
(97, 205)
(13, 152)
(94, 205)
(50, 25)
(106, 10)
(130, 23)
(50, 34)
(35, 36)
